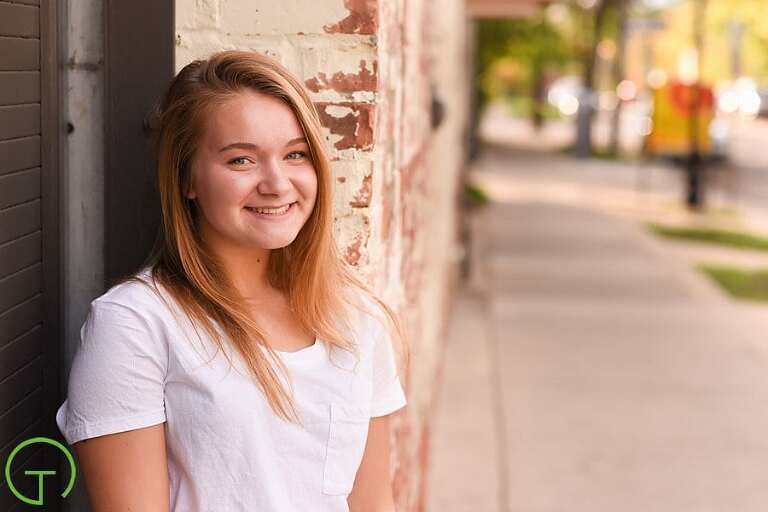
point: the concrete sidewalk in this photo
(588, 370)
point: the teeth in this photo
(272, 211)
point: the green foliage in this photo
(740, 283)
(475, 195)
(717, 236)
(530, 43)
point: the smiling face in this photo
(252, 176)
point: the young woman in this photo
(243, 367)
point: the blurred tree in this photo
(752, 17)
(622, 20)
(594, 16)
(534, 44)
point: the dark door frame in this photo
(139, 64)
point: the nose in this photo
(274, 180)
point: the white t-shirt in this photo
(139, 364)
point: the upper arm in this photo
(387, 394)
(114, 413)
(372, 490)
(126, 471)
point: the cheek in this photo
(309, 184)
(219, 193)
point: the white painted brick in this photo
(194, 14)
(278, 17)
(192, 45)
(185, 12)
(353, 172)
(337, 111)
(348, 230)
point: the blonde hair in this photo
(315, 279)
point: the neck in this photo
(246, 267)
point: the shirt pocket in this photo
(347, 436)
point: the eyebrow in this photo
(248, 145)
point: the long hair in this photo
(318, 284)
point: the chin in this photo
(276, 243)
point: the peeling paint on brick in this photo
(362, 19)
(355, 128)
(354, 250)
(364, 80)
(404, 473)
(363, 197)
(387, 200)
(409, 173)
(338, 111)
(341, 179)
(352, 253)
(411, 271)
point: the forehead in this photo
(250, 116)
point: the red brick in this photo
(363, 18)
(364, 80)
(356, 128)
(363, 197)
(354, 250)
(352, 253)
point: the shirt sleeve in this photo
(117, 378)
(388, 394)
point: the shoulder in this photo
(138, 297)
(126, 323)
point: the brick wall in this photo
(373, 67)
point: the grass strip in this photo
(740, 283)
(738, 239)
